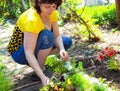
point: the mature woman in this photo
(36, 34)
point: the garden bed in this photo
(80, 51)
(91, 66)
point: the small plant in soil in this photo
(108, 56)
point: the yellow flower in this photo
(56, 88)
(69, 81)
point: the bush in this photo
(106, 16)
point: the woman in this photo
(36, 34)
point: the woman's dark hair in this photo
(36, 3)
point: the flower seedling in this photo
(107, 56)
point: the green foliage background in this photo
(100, 14)
(12, 8)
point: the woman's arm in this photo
(30, 40)
(58, 39)
(59, 42)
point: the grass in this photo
(5, 83)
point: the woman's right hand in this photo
(64, 55)
(45, 80)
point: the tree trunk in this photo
(118, 11)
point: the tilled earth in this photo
(80, 50)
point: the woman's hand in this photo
(45, 80)
(64, 55)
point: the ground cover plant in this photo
(73, 78)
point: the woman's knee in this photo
(46, 39)
(67, 41)
(19, 56)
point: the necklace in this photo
(46, 22)
(47, 27)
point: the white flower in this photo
(76, 70)
(68, 63)
(86, 76)
(109, 89)
(94, 80)
(50, 83)
(69, 67)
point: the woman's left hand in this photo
(64, 55)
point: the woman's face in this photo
(47, 8)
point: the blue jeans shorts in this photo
(45, 41)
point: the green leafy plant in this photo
(113, 64)
(55, 64)
(74, 79)
(5, 84)
(106, 16)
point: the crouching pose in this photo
(36, 34)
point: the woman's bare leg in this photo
(54, 51)
(42, 55)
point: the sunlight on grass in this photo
(5, 83)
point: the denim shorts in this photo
(45, 41)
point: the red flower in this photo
(102, 52)
(114, 52)
(107, 48)
(101, 57)
(106, 53)
(110, 53)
